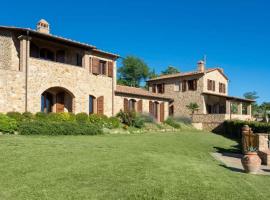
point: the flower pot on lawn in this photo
(251, 162)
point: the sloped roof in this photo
(187, 74)
(121, 89)
(229, 97)
(58, 38)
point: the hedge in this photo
(233, 128)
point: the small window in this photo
(222, 88)
(46, 54)
(211, 85)
(102, 67)
(160, 88)
(78, 59)
(154, 90)
(192, 85)
(171, 110)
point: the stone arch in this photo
(57, 99)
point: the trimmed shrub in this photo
(184, 120)
(57, 128)
(41, 116)
(61, 117)
(233, 128)
(172, 122)
(7, 124)
(82, 117)
(28, 116)
(15, 115)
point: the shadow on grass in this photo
(235, 149)
(239, 170)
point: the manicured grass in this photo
(145, 166)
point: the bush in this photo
(15, 115)
(172, 122)
(184, 120)
(61, 117)
(41, 116)
(147, 118)
(57, 128)
(28, 116)
(112, 122)
(131, 119)
(233, 128)
(82, 117)
(7, 124)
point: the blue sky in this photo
(235, 35)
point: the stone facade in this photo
(30, 71)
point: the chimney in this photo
(201, 66)
(43, 26)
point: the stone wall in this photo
(181, 99)
(77, 80)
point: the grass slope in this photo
(147, 166)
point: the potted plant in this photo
(251, 161)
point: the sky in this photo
(233, 34)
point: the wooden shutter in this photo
(209, 84)
(162, 112)
(125, 105)
(110, 69)
(154, 88)
(162, 88)
(151, 107)
(139, 106)
(90, 64)
(184, 86)
(95, 66)
(214, 85)
(100, 105)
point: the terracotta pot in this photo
(251, 162)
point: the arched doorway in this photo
(57, 99)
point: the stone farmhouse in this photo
(206, 87)
(43, 72)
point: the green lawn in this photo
(145, 166)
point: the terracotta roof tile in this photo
(139, 91)
(186, 74)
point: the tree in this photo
(255, 109)
(251, 95)
(170, 70)
(193, 107)
(133, 71)
(152, 74)
(265, 106)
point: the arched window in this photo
(92, 104)
(46, 54)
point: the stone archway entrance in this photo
(57, 99)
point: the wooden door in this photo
(60, 102)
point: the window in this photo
(46, 54)
(222, 88)
(92, 104)
(160, 88)
(102, 67)
(46, 102)
(244, 109)
(176, 87)
(184, 86)
(78, 59)
(192, 85)
(131, 105)
(211, 85)
(60, 56)
(154, 88)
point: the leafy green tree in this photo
(193, 107)
(255, 107)
(170, 70)
(133, 71)
(265, 106)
